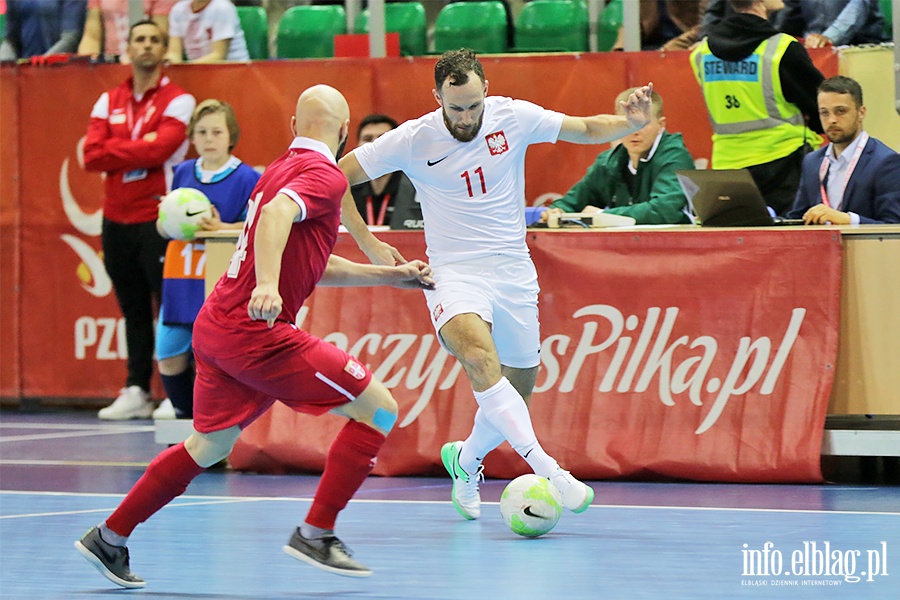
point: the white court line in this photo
(69, 463)
(96, 426)
(74, 434)
(371, 501)
(109, 510)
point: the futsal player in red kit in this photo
(249, 352)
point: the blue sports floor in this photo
(62, 473)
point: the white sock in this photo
(111, 537)
(312, 532)
(505, 409)
(483, 439)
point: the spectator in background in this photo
(854, 179)
(107, 25)
(760, 91)
(637, 177)
(137, 131)
(710, 12)
(205, 31)
(42, 27)
(391, 198)
(663, 22)
(833, 22)
(228, 183)
(692, 29)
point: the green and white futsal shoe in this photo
(576, 496)
(465, 494)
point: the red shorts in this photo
(243, 368)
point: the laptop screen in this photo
(725, 198)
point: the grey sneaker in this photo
(465, 494)
(329, 554)
(111, 561)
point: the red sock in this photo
(166, 478)
(350, 460)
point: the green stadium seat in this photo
(256, 30)
(552, 26)
(308, 31)
(888, 11)
(608, 26)
(480, 26)
(405, 18)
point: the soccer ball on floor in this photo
(530, 505)
(180, 212)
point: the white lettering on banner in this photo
(402, 342)
(423, 370)
(660, 359)
(100, 333)
(549, 362)
(654, 349)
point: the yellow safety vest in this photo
(752, 122)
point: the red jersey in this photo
(138, 172)
(309, 175)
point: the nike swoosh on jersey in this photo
(432, 163)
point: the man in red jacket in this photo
(136, 135)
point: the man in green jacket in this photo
(636, 178)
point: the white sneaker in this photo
(165, 411)
(576, 496)
(132, 403)
(465, 494)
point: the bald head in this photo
(322, 114)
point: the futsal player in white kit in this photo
(467, 162)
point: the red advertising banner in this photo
(703, 355)
(56, 297)
(9, 234)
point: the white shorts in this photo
(501, 290)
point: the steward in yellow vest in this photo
(760, 90)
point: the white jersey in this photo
(472, 193)
(198, 30)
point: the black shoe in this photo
(329, 554)
(111, 561)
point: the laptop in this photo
(727, 198)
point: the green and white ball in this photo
(530, 505)
(180, 212)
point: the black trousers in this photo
(133, 256)
(779, 180)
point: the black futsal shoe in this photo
(328, 553)
(111, 561)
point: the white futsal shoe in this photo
(465, 494)
(165, 411)
(132, 403)
(576, 496)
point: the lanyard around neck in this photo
(370, 213)
(826, 164)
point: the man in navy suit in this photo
(855, 179)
